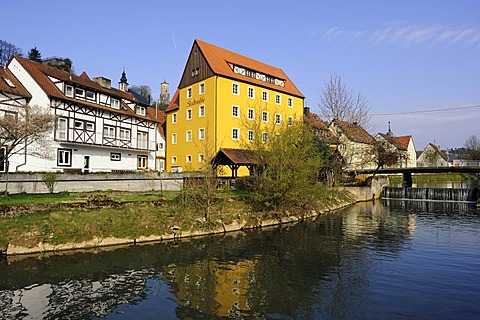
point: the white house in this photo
(403, 145)
(432, 156)
(97, 128)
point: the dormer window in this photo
(141, 110)
(69, 91)
(115, 103)
(9, 82)
(79, 92)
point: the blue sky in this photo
(407, 57)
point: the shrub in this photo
(50, 180)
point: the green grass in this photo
(422, 178)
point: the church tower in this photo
(123, 84)
(164, 94)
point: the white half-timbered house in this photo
(13, 96)
(98, 127)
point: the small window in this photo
(201, 133)
(69, 91)
(265, 96)
(290, 120)
(278, 99)
(115, 156)
(201, 111)
(290, 102)
(141, 111)
(64, 157)
(174, 138)
(189, 136)
(251, 92)
(235, 89)
(236, 111)
(9, 82)
(78, 124)
(278, 118)
(174, 118)
(235, 134)
(115, 103)
(201, 88)
(264, 137)
(90, 95)
(62, 126)
(265, 116)
(189, 114)
(250, 135)
(188, 158)
(108, 132)
(89, 126)
(201, 158)
(189, 93)
(142, 162)
(79, 92)
(174, 159)
(251, 114)
(125, 134)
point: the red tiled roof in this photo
(403, 141)
(18, 90)
(321, 127)
(158, 116)
(174, 103)
(354, 132)
(218, 59)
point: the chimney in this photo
(104, 82)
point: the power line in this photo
(425, 111)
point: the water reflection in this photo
(329, 268)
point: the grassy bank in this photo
(425, 178)
(124, 215)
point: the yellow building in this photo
(221, 97)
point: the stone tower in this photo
(164, 94)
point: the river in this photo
(385, 260)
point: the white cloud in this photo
(407, 35)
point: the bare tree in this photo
(473, 147)
(27, 128)
(7, 50)
(339, 102)
(143, 90)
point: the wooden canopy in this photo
(235, 158)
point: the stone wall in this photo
(368, 193)
(73, 182)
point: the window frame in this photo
(201, 133)
(189, 93)
(251, 92)
(107, 127)
(188, 114)
(201, 88)
(251, 114)
(265, 96)
(59, 130)
(64, 151)
(278, 99)
(174, 138)
(250, 135)
(121, 134)
(201, 111)
(235, 89)
(174, 118)
(69, 91)
(115, 156)
(278, 118)
(235, 111)
(265, 116)
(235, 134)
(144, 159)
(188, 136)
(188, 158)
(142, 143)
(290, 102)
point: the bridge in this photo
(407, 172)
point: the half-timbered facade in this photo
(225, 100)
(97, 127)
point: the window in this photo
(236, 111)
(278, 99)
(235, 89)
(142, 162)
(62, 126)
(265, 96)
(174, 138)
(265, 116)
(250, 135)
(2, 160)
(278, 118)
(188, 158)
(90, 95)
(264, 137)
(201, 133)
(79, 92)
(189, 114)
(89, 126)
(159, 146)
(201, 88)
(64, 157)
(174, 159)
(69, 91)
(142, 140)
(189, 136)
(141, 110)
(125, 134)
(290, 102)
(174, 118)
(290, 120)
(201, 111)
(251, 114)
(189, 93)
(115, 156)
(251, 92)
(115, 103)
(78, 124)
(235, 134)
(9, 82)
(201, 158)
(109, 132)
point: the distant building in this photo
(432, 156)
(98, 127)
(403, 145)
(164, 93)
(320, 128)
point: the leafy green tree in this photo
(35, 55)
